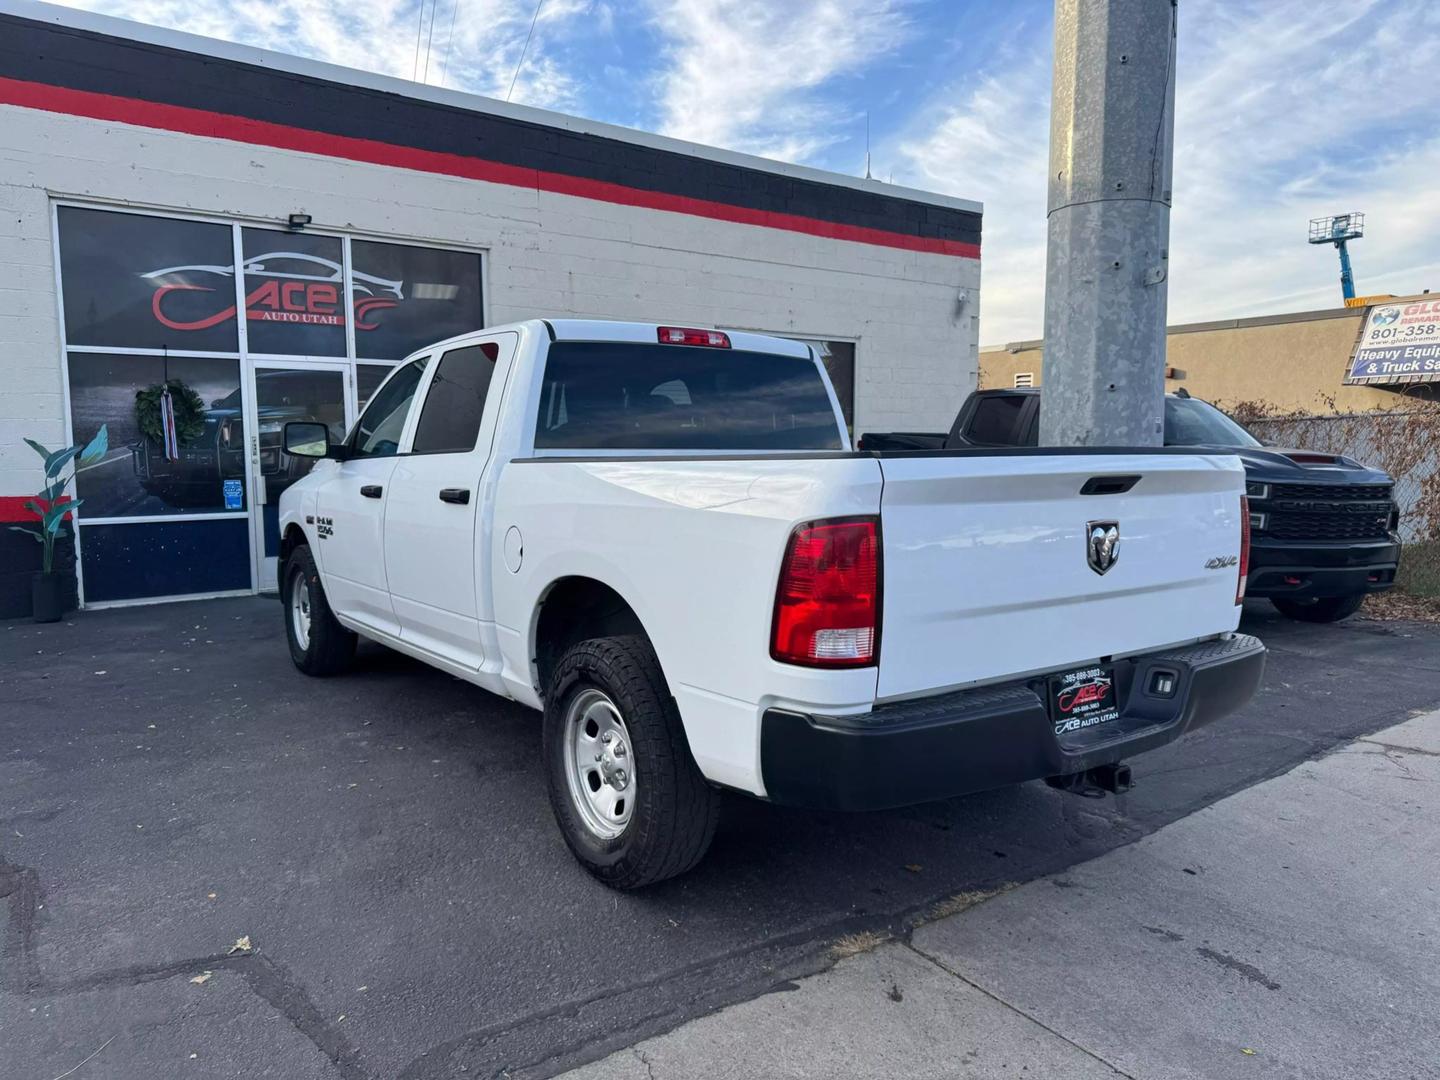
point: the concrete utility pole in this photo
(1112, 125)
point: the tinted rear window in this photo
(994, 421)
(626, 396)
(1192, 422)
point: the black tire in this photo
(675, 810)
(330, 647)
(1325, 610)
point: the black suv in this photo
(1322, 527)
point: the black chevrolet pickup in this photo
(1322, 526)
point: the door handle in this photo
(455, 495)
(372, 491)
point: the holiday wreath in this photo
(189, 412)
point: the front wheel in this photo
(628, 797)
(319, 645)
(1327, 609)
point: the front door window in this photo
(378, 433)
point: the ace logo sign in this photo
(153, 282)
(282, 287)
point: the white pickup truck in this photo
(661, 537)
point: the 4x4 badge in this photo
(1102, 544)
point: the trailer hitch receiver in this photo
(1095, 783)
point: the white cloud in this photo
(993, 145)
(1285, 111)
(473, 46)
(744, 74)
(1283, 116)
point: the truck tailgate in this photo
(986, 574)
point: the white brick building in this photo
(139, 168)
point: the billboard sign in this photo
(1400, 344)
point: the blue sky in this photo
(1286, 110)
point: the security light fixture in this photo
(296, 222)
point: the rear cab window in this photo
(1192, 422)
(994, 421)
(636, 396)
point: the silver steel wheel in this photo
(300, 608)
(599, 764)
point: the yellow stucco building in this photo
(1292, 363)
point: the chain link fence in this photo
(1406, 444)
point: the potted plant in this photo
(47, 590)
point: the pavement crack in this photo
(273, 984)
(135, 975)
(269, 981)
(1019, 1011)
(644, 1060)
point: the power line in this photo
(429, 38)
(449, 40)
(524, 49)
(419, 26)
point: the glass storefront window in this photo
(294, 293)
(409, 297)
(200, 470)
(292, 394)
(141, 282)
(140, 291)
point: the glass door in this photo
(284, 391)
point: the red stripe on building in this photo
(215, 125)
(14, 512)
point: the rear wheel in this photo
(1324, 610)
(319, 645)
(629, 799)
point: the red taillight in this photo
(680, 335)
(1244, 548)
(827, 605)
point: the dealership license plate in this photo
(1084, 699)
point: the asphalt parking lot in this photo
(169, 785)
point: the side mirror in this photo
(308, 439)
